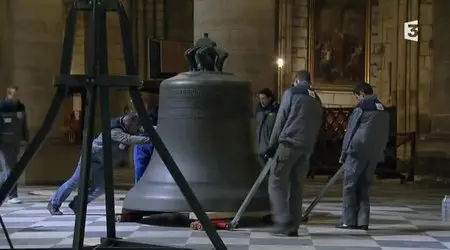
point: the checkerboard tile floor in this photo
(394, 226)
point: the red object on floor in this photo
(220, 223)
(128, 217)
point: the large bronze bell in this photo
(204, 120)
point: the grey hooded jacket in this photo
(299, 118)
(265, 119)
(367, 131)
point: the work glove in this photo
(270, 152)
(342, 158)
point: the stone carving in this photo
(205, 55)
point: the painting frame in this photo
(321, 85)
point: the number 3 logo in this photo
(413, 30)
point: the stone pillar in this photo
(35, 42)
(33, 48)
(119, 98)
(286, 32)
(148, 24)
(300, 31)
(425, 65)
(179, 26)
(246, 29)
(3, 43)
(440, 110)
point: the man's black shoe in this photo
(53, 210)
(284, 232)
(267, 219)
(73, 207)
(343, 226)
(364, 227)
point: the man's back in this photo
(265, 119)
(303, 117)
(119, 150)
(11, 106)
(371, 137)
(13, 125)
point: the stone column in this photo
(3, 43)
(425, 65)
(119, 98)
(35, 42)
(33, 47)
(246, 29)
(440, 89)
(300, 26)
(179, 26)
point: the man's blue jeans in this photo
(96, 184)
(141, 157)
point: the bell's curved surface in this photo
(204, 120)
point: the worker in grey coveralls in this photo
(13, 135)
(363, 148)
(122, 136)
(297, 126)
(266, 113)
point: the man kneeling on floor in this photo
(123, 130)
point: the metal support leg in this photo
(5, 231)
(233, 223)
(83, 188)
(322, 192)
(91, 68)
(109, 179)
(106, 128)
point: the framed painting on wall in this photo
(339, 43)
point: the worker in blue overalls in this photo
(143, 153)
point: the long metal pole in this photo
(106, 126)
(88, 132)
